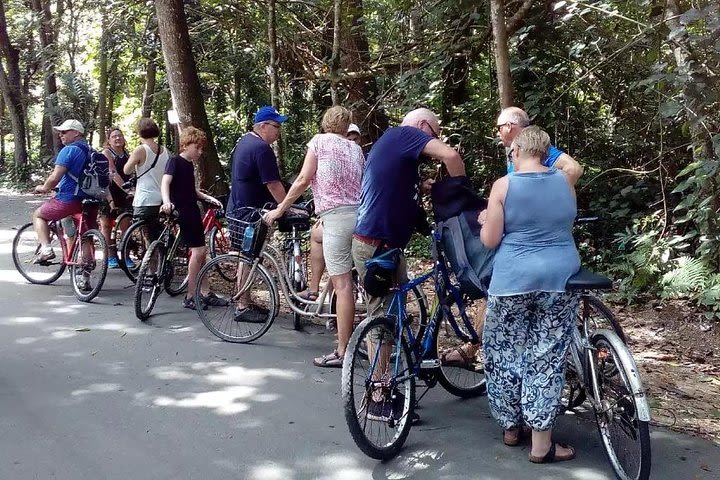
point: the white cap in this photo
(70, 124)
(354, 128)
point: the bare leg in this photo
(242, 274)
(197, 260)
(469, 349)
(41, 228)
(317, 259)
(541, 442)
(343, 286)
(105, 230)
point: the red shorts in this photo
(57, 210)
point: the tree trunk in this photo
(2, 133)
(502, 56)
(335, 59)
(11, 86)
(51, 142)
(274, 81)
(103, 80)
(111, 93)
(184, 82)
(150, 80)
(363, 97)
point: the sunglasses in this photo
(434, 133)
(506, 124)
(276, 125)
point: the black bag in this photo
(380, 274)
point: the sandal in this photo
(308, 295)
(465, 361)
(550, 456)
(331, 360)
(514, 440)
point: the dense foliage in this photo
(629, 88)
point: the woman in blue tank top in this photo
(530, 316)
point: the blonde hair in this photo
(336, 120)
(190, 135)
(534, 141)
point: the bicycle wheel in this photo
(117, 235)
(89, 265)
(625, 436)
(573, 394)
(219, 241)
(135, 243)
(149, 282)
(233, 322)
(24, 249)
(176, 278)
(598, 316)
(463, 376)
(378, 388)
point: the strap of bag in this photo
(157, 155)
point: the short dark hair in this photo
(147, 128)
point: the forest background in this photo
(630, 89)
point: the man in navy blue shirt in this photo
(255, 174)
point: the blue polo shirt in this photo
(552, 156)
(253, 166)
(73, 157)
(389, 199)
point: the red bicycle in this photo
(87, 258)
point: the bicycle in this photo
(605, 369)
(268, 266)
(164, 266)
(385, 358)
(88, 268)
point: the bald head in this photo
(514, 115)
(424, 119)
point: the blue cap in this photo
(269, 113)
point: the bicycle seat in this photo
(300, 219)
(587, 280)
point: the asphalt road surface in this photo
(89, 392)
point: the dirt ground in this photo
(678, 354)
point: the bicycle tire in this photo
(133, 248)
(176, 269)
(465, 380)
(219, 241)
(605, 318)
(117, 236)
(356, 364)
(620, 412)
(24, 248)
(221, 320)
(147, 289)
(85, 269)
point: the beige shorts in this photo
(338, 226)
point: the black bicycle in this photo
(164, 266)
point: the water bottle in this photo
(248, 238)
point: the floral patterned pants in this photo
(525, 343)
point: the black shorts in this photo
(191, 227)
(151, 215)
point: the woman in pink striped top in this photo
(333, 167)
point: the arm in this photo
(452, 160)
(116, 179)
(167, 205)
(492, 225)
(570, 167)
(276, 190)
(302, 182)
(52, 180)
(207, 198)
(137, 158)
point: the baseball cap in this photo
(70, 124)
(354, 128)
(269, 113)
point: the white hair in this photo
(413, 118)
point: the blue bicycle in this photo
(387, 355)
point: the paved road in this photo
(88, 392)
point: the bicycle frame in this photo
(67, 252)
(210, 220)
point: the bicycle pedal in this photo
(430, 363)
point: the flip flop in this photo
(550, 456)
(465, 361)
(331, 360)
(308, 295)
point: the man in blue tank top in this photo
(511, 122)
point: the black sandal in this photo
(331, 360)
(550, 456)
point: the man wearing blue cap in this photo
(255, 173)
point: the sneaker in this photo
(250, 314)
(190, 303)
(398, 404)
(380, 411)
(113, 262)
(212, 300)
(129, 263)
(83, 283)
(149, 282)
(44, 255)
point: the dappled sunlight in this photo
(326, 467)
(97, 388)
(21, 320)
(26, 340)
(223, 402)
(249, 376)
(272, 471)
